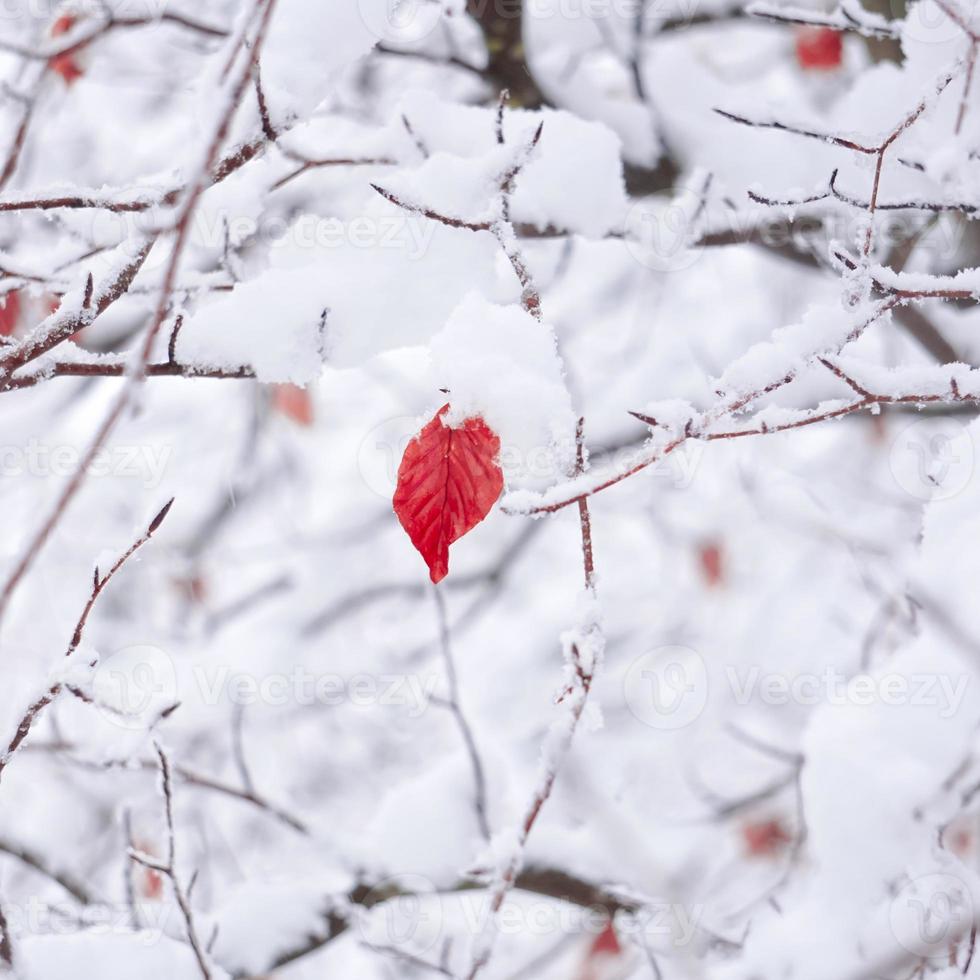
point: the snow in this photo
(788, 631)
(572, 181)
(260, 920)
(308, 44)
(499, 363)
(824, 329)
(273, 324)
(109, 956)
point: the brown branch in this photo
(20, 135)
(938, 292)
(24, 727)
(307, 165)
(118, 369)
(847, 22)
(448, 60)
(775, 202)
(699, 430)
(798, 131)
(268, 130)
(443, 219)
(6, 943)
(99, 583)
(552, 883)
(79, 40)
(31, 859)
(931, 206)
(187, 776)
(61, 325)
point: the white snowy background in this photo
(775, 773)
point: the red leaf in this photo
(293, 402)
(9, 313)
(65, 64)
(819, 48)
(447, 482)
(149, 882)
(607, 942)
(603, 956)
(765, 838)
(712, 564)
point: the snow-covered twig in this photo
(31, 859)
(86, 33)
(877, 150)
(117, 368)
(964, 285)
(204, 177)
(701, 428)
(583, 648)
(99, 583)
(169, 868)
(501, 228)
(547, 882)
(906, 205)
(846, 16)
(971, 58)
(187, 776)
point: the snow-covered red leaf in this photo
(448, 480)
(294, 402)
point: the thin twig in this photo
(462, 723)
(99, 583)
(169, 868)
